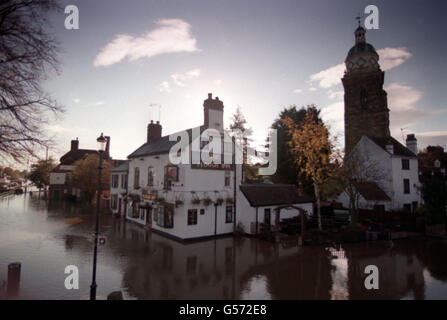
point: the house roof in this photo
(371, 191)
(259, 195)
(122, 167)
(74, 155)
(399, 149)
(158, 146)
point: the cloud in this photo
(329, 77)
(431, 138)
(217, 82)
(392, 57)
(95, 104)
(57, 128)
(336, 94)
(401, 102)
(164, 87)
(312, 89)
(297, 91)
(171, 35)
(76, 100)
(388, 58)
(180, 78)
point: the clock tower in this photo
(366, 106)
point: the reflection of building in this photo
(367, 134)
(222, 268)
(195, 197)
(400, 272)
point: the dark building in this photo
(366, 106)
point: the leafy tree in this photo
(310, 149)
(288, 171)
(28, 53)
(85, 175)
(40, 172)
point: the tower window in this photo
(363, 98)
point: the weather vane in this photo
(358, 19)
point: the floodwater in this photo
(145, 265)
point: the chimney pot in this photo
(210, 95)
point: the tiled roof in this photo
(159, 146)
(122, 167)
(371, 191)
(399, 149)
(74, 155)
(259, 195)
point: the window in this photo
(229, 214)
(406, 186)
(165, 216)
(115, 178)
(114, 201)
(192, 217)
(267, 216)
(150, 176)
(136, 180)
(171, 174)
(124, 181)
(405, 164)
(202, 212)
(363, 98)
(227, 178)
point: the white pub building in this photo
(199, 199)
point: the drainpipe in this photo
(215, 219)
(234, 180)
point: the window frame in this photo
(136, 178)
(405, 164)
(407, 186)
(229, 219)
(192, 217)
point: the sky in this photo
(133, 61)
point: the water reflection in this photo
(145, 265)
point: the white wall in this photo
(400, 198)
(57, 177)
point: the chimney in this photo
(412, 143)
(74, 144)
(107, 151)
(153, 131)
(389, 147)
(213, 119)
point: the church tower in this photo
(366, 106)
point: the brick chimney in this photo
(74, 145)
(107, 151)
(153, 131)
(213, 112)
(412, 143)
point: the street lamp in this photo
(101, 148)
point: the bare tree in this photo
(358, 168)
(28, 53)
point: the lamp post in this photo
(101, 147)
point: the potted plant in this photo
(207, 201)
(178, 202)
(229, 200)
(219, 201)
(195, 200)
(161, 199)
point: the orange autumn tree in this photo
(311, 148)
